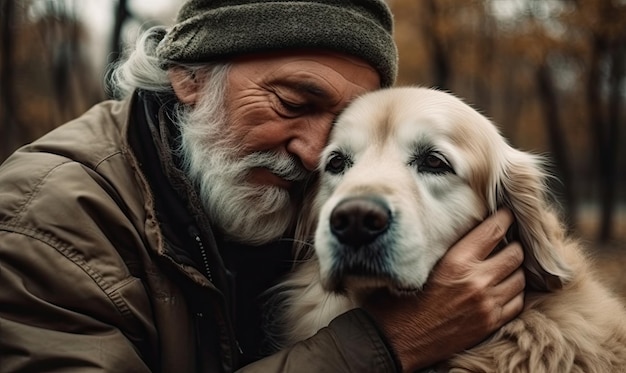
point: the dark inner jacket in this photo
(247, 271)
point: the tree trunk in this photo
(610, 156)
(441, 64)
(6, 78)
(557, 140)
(121, 15)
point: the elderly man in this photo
(141, 236)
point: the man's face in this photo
(287, 103)
(278, 110)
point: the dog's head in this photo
(406, 173)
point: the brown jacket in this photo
(89, 282)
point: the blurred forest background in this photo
(550, 73)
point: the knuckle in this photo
(496, 229)
(477, 291)
(477, 288)
(512, 256)
(454, 267)
(489, 313)
(486, 307)
(497, 225)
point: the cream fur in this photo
(571, 323)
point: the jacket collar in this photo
(190, 241)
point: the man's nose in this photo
(308, 146)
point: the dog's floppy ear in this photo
(521, 187)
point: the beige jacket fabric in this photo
(87, 278)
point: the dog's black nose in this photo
(358, 221)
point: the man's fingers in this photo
(511, 286)
(480, 242)
(512, 308)
(505, 261)
(510, 294)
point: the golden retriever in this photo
(409, 170)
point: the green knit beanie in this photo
(210, 30)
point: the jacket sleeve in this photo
(351, 343)
(56, 314)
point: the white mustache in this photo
(283, 165)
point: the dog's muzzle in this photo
(361, 228)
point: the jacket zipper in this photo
(205, 260)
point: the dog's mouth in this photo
(363, 229)
(403, 290)
(361, 285)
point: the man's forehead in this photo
(324, 63)
(318, 74)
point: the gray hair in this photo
(142, 69)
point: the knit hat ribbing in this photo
(210, 30)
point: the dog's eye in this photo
(336, 163)
(433, 163)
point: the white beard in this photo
(244, 212)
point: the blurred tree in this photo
(8, 124)
(122, 14)
(63, 37)
(604, 24)
(534, 42)
(45, 74)
(551, 72)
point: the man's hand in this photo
(471, 293)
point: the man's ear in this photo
(186, 85)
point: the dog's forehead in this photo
(410, 115)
